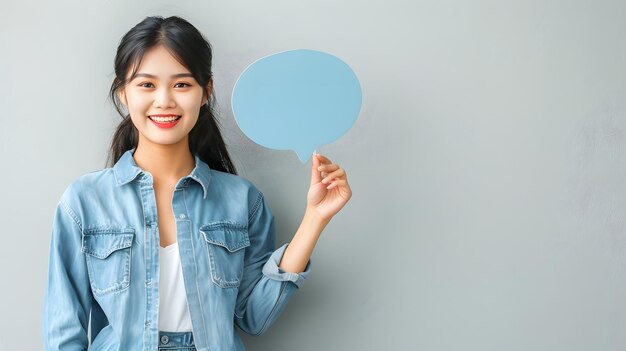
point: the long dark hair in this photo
(194, 52)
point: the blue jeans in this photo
(173, 341)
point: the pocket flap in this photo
(101, 244)
(232, 236)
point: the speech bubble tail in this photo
(304, 156)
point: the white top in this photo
(173, 308)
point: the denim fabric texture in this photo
(104, 260)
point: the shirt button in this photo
(165, 339)
(182, 216)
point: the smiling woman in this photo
(162, 94)
(168, 248)
(174, 66)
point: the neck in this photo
(166, 163)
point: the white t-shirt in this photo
(173, 308)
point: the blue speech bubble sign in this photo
(296, 100)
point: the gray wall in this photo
(487, 165)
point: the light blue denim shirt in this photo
(104, 260)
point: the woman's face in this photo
(163, 99)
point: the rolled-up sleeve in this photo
(68, 298)
(273, 271)
(265, 288)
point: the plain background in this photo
(487, 164)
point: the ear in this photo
(121, 94)
(208, 90)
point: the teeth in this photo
(164, 119)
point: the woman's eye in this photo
(150, 85)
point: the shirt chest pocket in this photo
(108, 255)
(225, 243)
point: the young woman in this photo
(169, 248)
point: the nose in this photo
(164, 99)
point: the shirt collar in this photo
(126, 169)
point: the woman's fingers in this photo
(336, 174)
(316, 177)
(331, 173)
(324, 167)
(324, 159)
(328, 167)
(340, 182)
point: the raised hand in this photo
(329, 190)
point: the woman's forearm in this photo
(301, 247)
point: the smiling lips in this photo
(164, 121)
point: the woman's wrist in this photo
(312, 216)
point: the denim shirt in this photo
(104, 260)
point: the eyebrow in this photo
(178, 75)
